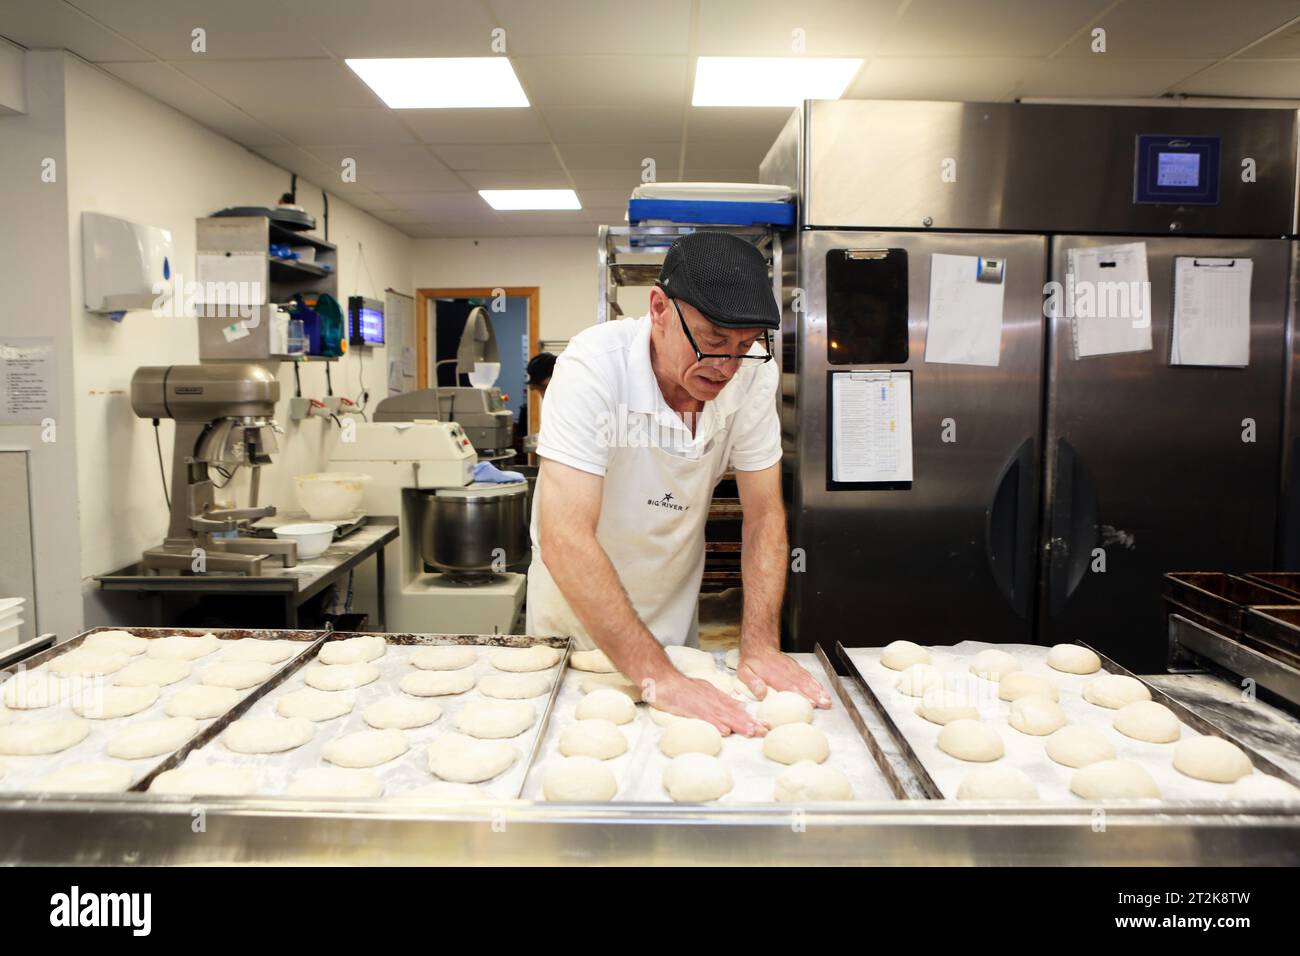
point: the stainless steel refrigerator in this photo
(1047, 493)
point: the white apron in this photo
(653, 510)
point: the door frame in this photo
(422, 297)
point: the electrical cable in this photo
(162, 472)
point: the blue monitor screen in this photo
(370, 326)
(1178, 169)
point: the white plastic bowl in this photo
(330, 495)
(312, 539)
(485, 374)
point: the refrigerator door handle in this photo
(1009, 529)
(1075, 527)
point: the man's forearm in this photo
(586, 577)
(762, 568)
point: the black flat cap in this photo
(724, 277)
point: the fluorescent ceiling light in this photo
(770, 81)
(443, 83)
(531, 198)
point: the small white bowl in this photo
(312, 538)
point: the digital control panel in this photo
(1177, 170)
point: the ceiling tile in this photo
(766, 27)
(614, 125)
(377, 127)
(440, 206)
(384, 169)
(737, 155)
(611, 82)
(511, 156)
(370, 202)
(1011, 28)
(298, 161)
(42, 25)
(263, 86)
(619, 155)
(1283, 46)
(1163, 29)
(1263, 78)
(516, 178)
(580, 26)
(1099, 76)
(607, 178)
(234, 29)
(708, 174)
(942, 78)
(397, 27)
(459, 127)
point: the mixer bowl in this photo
(471, 532)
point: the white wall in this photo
(130, 156)
(34, 277)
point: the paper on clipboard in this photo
(965, 322)
(871, 437)
(1211, 312)
(1108, 299)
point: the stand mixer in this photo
(223, 418)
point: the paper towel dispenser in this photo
(125, 265)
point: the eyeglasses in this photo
(705, 358)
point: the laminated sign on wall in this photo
(965, 326)
(1108, 299)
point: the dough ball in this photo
(87, 662)
(595, 682)
(265, 652)
(691, 661)
(900, 655)
(495, 718)
(579, 780)
(1114, 780)
(152, 672)
(1213, 759)
(1036, 716)
(435, 683)
(1079, 746)
(106, 703)
(520, 659)
(1114, 691)
(993, 664)
(971, 740)
(179, 647)
(444, 657)
(807, 782)
(689, 735)
(335, 782)
(597, 662)
(662, 718)
(353, 650)
(514, 686)
(462, 759)
(917, 679)
(732, 658)
(785, 707)
(152, 738)
(202, 702)
(238, 675)
(86, 778)
(1149, 721)
(401, 713)
(791, 743)
(315, 704)
(121, 642)
(31, 690)
(365, 748)
(698, 778)
(1261, 786)
(940, 705)
(341, 676)
(45, 737)
(1019, 684)
(592, 738)
(267, 735)
(442, 792)
(206, 781)
(996, 782)
(1073, 659)
(606, 704)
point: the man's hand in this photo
(762, 667)
(687, 697)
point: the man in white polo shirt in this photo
(641, 420)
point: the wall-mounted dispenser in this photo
(125, 265)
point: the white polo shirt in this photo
(605, 414)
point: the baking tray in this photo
(1276, 630)
(1219, 599)
(1183, 713)
(294, 760)
(1286, 581)
(155, 711)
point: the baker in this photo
(641, 419)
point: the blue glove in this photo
(488, 472)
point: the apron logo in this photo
(666, 502)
